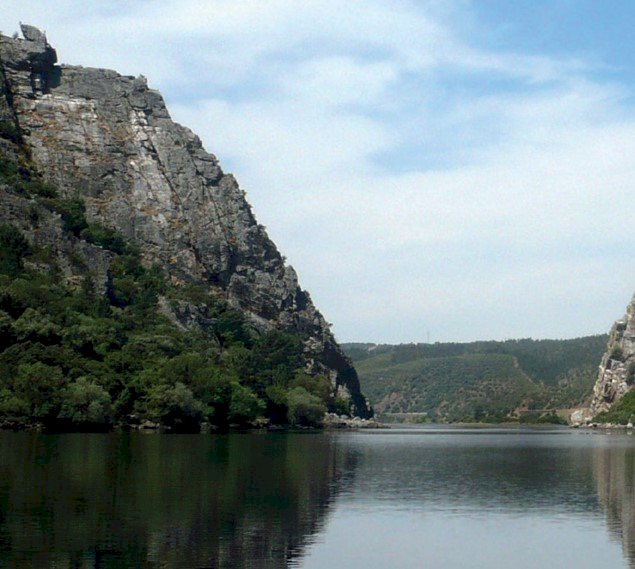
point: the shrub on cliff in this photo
(13, 248)
(617, 353)
(623, 412)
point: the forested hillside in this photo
(72, 356)
(479, 381)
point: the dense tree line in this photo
(73, 358)
(487, 381)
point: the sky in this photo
(442, 170)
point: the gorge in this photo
(94, 164)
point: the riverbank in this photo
(607, 426)
(331, 421)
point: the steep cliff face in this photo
(109, 139)
(617, 369)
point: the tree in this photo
(175, 406)
(13, 248)
(39, 385)
(85, 402)
(304, 409)
(244, 405)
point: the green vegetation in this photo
(540, 418)
(9, 131)
(75, 359)
(13, 247)
(622, 413)
(18, 172)
(617, 353)
(73, 212)
(516, 380)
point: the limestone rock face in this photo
(110, 139)
(617, 369)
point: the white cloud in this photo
(417, 182)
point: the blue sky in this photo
(443, 169)
(584, 28)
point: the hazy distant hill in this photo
(478, 380)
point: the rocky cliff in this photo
(617, 369)
(109, 140)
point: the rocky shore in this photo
(335, 421)
(606, 426)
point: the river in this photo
(444, 498)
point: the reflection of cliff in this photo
(614, 470)
(162, 501)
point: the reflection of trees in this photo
(614, 470)
(470, 473)
(162, 501)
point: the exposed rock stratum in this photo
(617, 369)
(109, 139)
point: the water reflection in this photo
(474, 470)
(497, 498)
(102, 501)
(614, 470)
(442, 499)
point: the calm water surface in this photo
(439, 498)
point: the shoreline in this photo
(331, 422)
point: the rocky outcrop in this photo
(335, 421)
(109, 139)
(617, 369)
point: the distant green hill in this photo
(478, 381)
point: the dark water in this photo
(438, 498)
